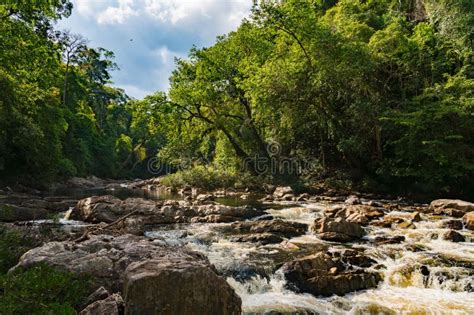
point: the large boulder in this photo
(177, 286)
(109, 208)
(356, 213)
(154, 279)
(451, 207)
(468, 220)
(338, 230)
(147, 212)
(321, 275)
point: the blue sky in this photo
(146, 35)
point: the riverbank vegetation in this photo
(376, 94)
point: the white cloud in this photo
(89, 8)
(221, 15)
(166, 65)
(147, 35)
(117, 15)
(134, 91)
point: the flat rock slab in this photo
(154, 279)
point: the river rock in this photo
(109, 208)
(202, 198)
(237, 213)
(173, 285)
(13, 213)
(456, 204)
(468, 220)
(361, 214)
(282, 228)
(452, 224)
(88, 182)
(111, 305)
(453, 236)
(383, 240)
(280, 191)
(351, 257)
(260, 238)
(353, 200)
(147, 212)
(338, 230)
(320, 275)
(103, 257)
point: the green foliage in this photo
(380, 90)
(13, 244)
(202, 177)
(41, 290)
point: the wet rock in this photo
(338, 230)
(204, 198)
(383, 240)
(267, 198)
(111, 305)
(166, 285)
(282, 191)
(261, 238)
(353, 200)
(452, 224)
(147, 212)
(288, 197)
(373, 203)
(108, 208)
(303, 197)
(361, 214)
(279, 227)
(221, 213)
(13, 213)
(468, 220)
(406, 225)
(186, 191)
(449, 212)
(454, 204)
(320, 275)
(415, 216)
(453, 236)
(351, 257)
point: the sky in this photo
(147, 35)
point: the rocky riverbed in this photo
(227, 253)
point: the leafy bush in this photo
(205, 177)
(41, 290)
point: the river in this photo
(253, 270)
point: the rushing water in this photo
(253, 270)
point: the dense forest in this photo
(375, 94)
